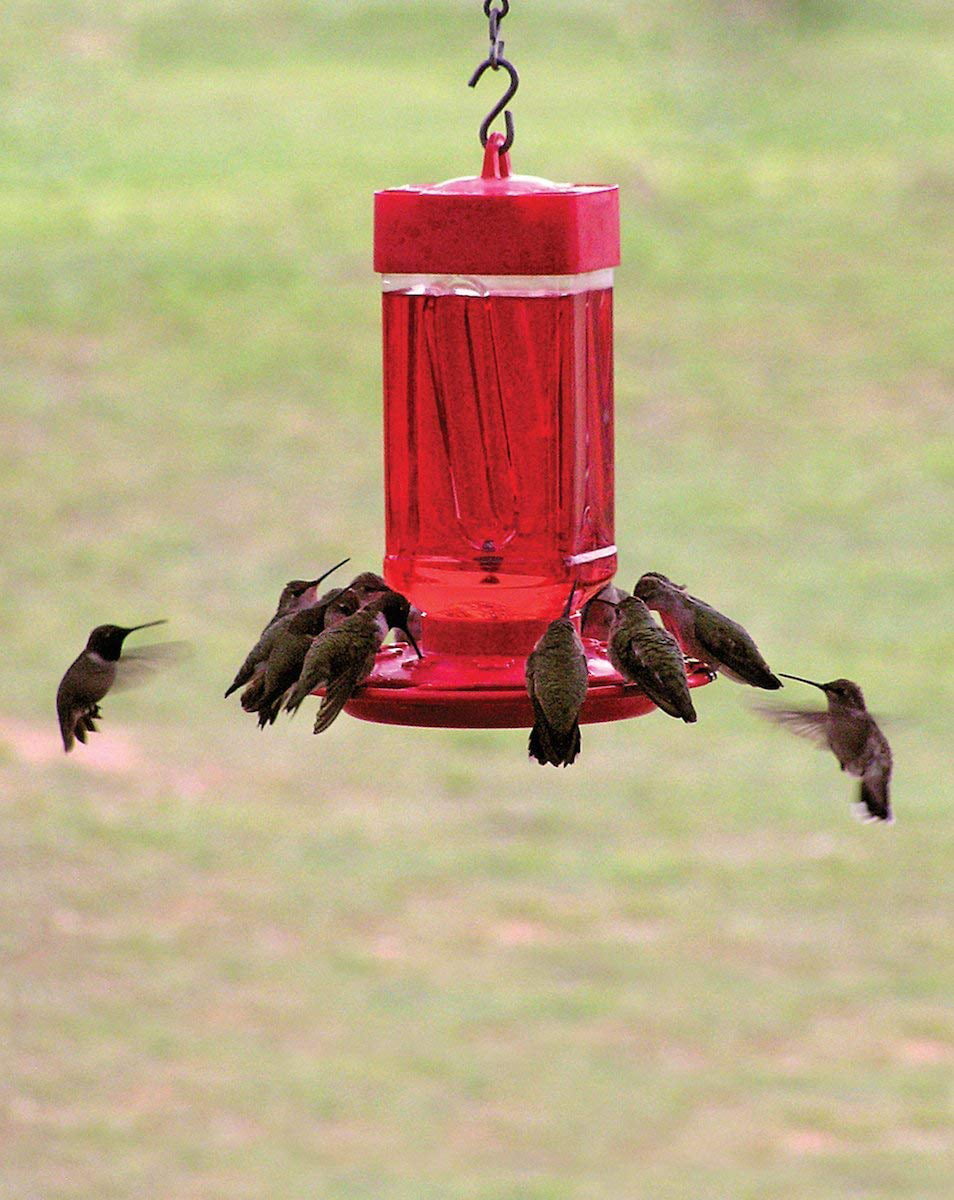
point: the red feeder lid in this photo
(496, 224)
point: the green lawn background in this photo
(393, 964)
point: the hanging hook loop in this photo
(501, 105)
(495, 13)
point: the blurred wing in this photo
(805, 723)
(139, 665)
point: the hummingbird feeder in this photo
(498, 432)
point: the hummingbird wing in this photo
(661, 673)
(260, 651)
(342, 685)
(82, 687)
(254, 692)
(730, 648)
(282, 669)
(804, 722)
(324, 653)
(139, 665)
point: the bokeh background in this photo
(402, 965)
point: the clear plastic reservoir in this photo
(498, 416)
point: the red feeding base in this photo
(487, 692)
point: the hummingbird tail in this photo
(875, 800)
(573, 747)
(536, 748)
(559, 750)
(688, 714)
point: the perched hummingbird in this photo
(91, 675)
(597, 618)
(556, 684)
(296, 595)
(289, 646)
(343, 657)
(368, 584)
(704, 633)
(650, 657)
(852, 735)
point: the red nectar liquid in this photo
(498, 412)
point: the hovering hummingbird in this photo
(852, 735)
(556, 684)
(597, 618)
(650, 657)
(343, 657)
(93, 672)
(704, 633)
(296, 595)
(289, 646)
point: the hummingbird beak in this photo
(569, 599)
(315, 582)
(800, 679)
(410, 638)
(147, 625)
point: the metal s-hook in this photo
(495, 11)
(501, 105)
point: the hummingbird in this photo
(296, 595)
(342, 657)
(597, 618)
(704, 633)
(556, 684)
(650, 657)
(91, 675)
(289, 646)
(852, 735)
(368, 584)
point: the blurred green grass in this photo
(236, 965)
